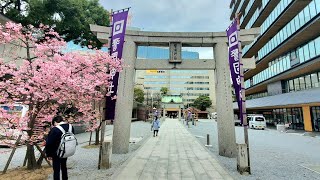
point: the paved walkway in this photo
(174, 154)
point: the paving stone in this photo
(174, 154)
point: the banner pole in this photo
(243, 97)
(103, 120)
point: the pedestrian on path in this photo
(52, 146)
(155, 126)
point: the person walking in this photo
(52, 146)
(155, 127)
(189, 116)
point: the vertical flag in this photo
(234, 62)
(119, 22)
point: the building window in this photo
(306, 52)
(314, 80)
(294, 60)
(291, 86)
(317, 45)
(301, 56)
(296, 84)
(315, 116)
(291, 116)
(304, 82)
(308, 81)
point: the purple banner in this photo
(234, 63)
(119, 20)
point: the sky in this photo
(176, 16)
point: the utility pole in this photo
(147, 105)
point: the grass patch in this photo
(22, 173)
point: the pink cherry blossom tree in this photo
(36, 71)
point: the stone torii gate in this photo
(175, 41)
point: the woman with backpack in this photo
(61, 136)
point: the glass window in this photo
(281, 115)
(281, 36)
(297, 54)
(317, 5)
(288, 27)
(302, 83)
(301, 19)
(306, 13)
(312, 49)
(306, 52)
(301, 56)
(314, 80)
(276, 39)
(296, 84)
(289, 115)
(282, 65)
(292, 27)
(296, 23)
(291, 86)
(285, 34)
(308, 81)
(312, 8)
(317, 45)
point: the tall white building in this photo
(190, 84)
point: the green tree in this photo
(70, 18)
(202, 102)
(164, 91)
(138, 95)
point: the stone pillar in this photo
(225, 121)
(124, 104)
(106, 155)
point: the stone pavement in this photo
(174, 154)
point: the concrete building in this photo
(190, 84)
(284, 86)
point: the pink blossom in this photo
(53, 78)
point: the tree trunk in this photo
(97, 137)
(31, 159)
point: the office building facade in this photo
(285, 85)
(190, 84)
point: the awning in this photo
(310, 96)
